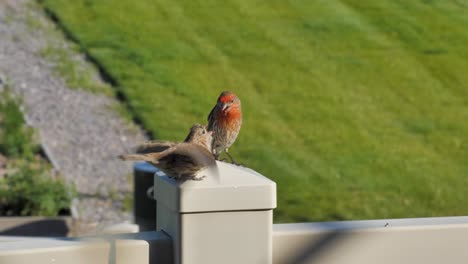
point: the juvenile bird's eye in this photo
(204, 131)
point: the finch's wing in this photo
(154, 146)
(211, 118)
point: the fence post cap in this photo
(145, 167)
(226, 188)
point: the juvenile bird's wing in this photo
(150, 157)
(198, 155)
(154, 146)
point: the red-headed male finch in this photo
(181, 161)
(225, 119)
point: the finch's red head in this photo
(227, 101)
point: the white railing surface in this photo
(135, 248)
(227, 218)
(418, 240)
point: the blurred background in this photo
(356, 109)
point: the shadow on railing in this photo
(34, 226)
(308, 251)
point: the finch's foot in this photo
(237, 163)
(233, 161)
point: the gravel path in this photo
(79, 132)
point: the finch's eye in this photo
(204, 132)
(232, 101)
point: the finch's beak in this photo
(224, 108)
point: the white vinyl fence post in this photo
(225, 218)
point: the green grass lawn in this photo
(357, 109)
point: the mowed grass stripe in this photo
(357, 109)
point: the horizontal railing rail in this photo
(417, 240)
(227, 218)
(135, 248)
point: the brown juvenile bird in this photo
(179, 160)
(225, 119)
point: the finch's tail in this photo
(151, 157)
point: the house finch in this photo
(179, 160)
(225, 119)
